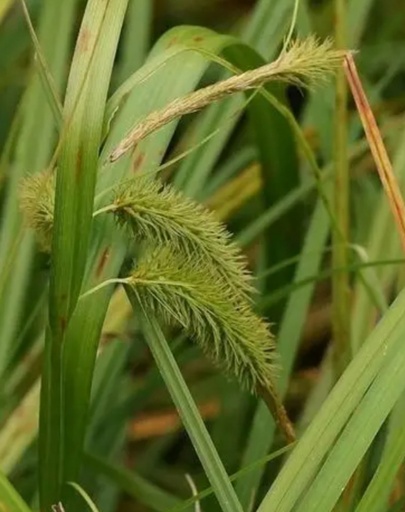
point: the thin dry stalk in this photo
(377, 147)
(305, 62)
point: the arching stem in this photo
(278, 411)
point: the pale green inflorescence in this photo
(37, 199)
(185, 291)
(190, 273)
(158, 213)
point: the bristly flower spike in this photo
(159, 214)
(37, 200)
(184, 291)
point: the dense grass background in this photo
(135, 416)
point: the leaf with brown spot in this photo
(102, 261)
(79, 163)
(83, 42)
(138, 161)
(173, 41)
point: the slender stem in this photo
(106, 209)
(187, 409)
(102, 285)
(377, 147)
(341, 235)
(160, 282)
(292, 26)
(305, 61)
(277, 410)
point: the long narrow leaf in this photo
(77, 166)
(262, 433)
(109, 245)
(140, 489)
(377, 495)
(188, 411)
(360, 431)
(10, 500)
(304, 462)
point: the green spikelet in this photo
(37, 199)
(196, 279)
(158, 214)
(183, 291)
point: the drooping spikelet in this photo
(182, 290)
(37, 199)
(160, 215)
(305, 63)
(194, 278)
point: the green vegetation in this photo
(201, 303)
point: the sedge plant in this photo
(188, 273)
(107, 219)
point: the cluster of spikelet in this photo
(158, 214)
(192, 275)
(37, 200)
(189, 274)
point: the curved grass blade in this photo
(279, 294)
(306, 61)
(188, 411)
(77, 166)
(377, 494)
(136, 37)
(33, 145)
(44, 71)
(262, 432)
(140, 489)
(108, 247)
(86, 498)
(152, 496)
(382, 242)
(10, 500)
(304, 462)
(359, 432)
(263, 32)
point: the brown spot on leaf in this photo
(102, 261)
(198, 39)
(138, 161)
(173, 41)
(79, 163)
(83, 42)
(63, 325)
